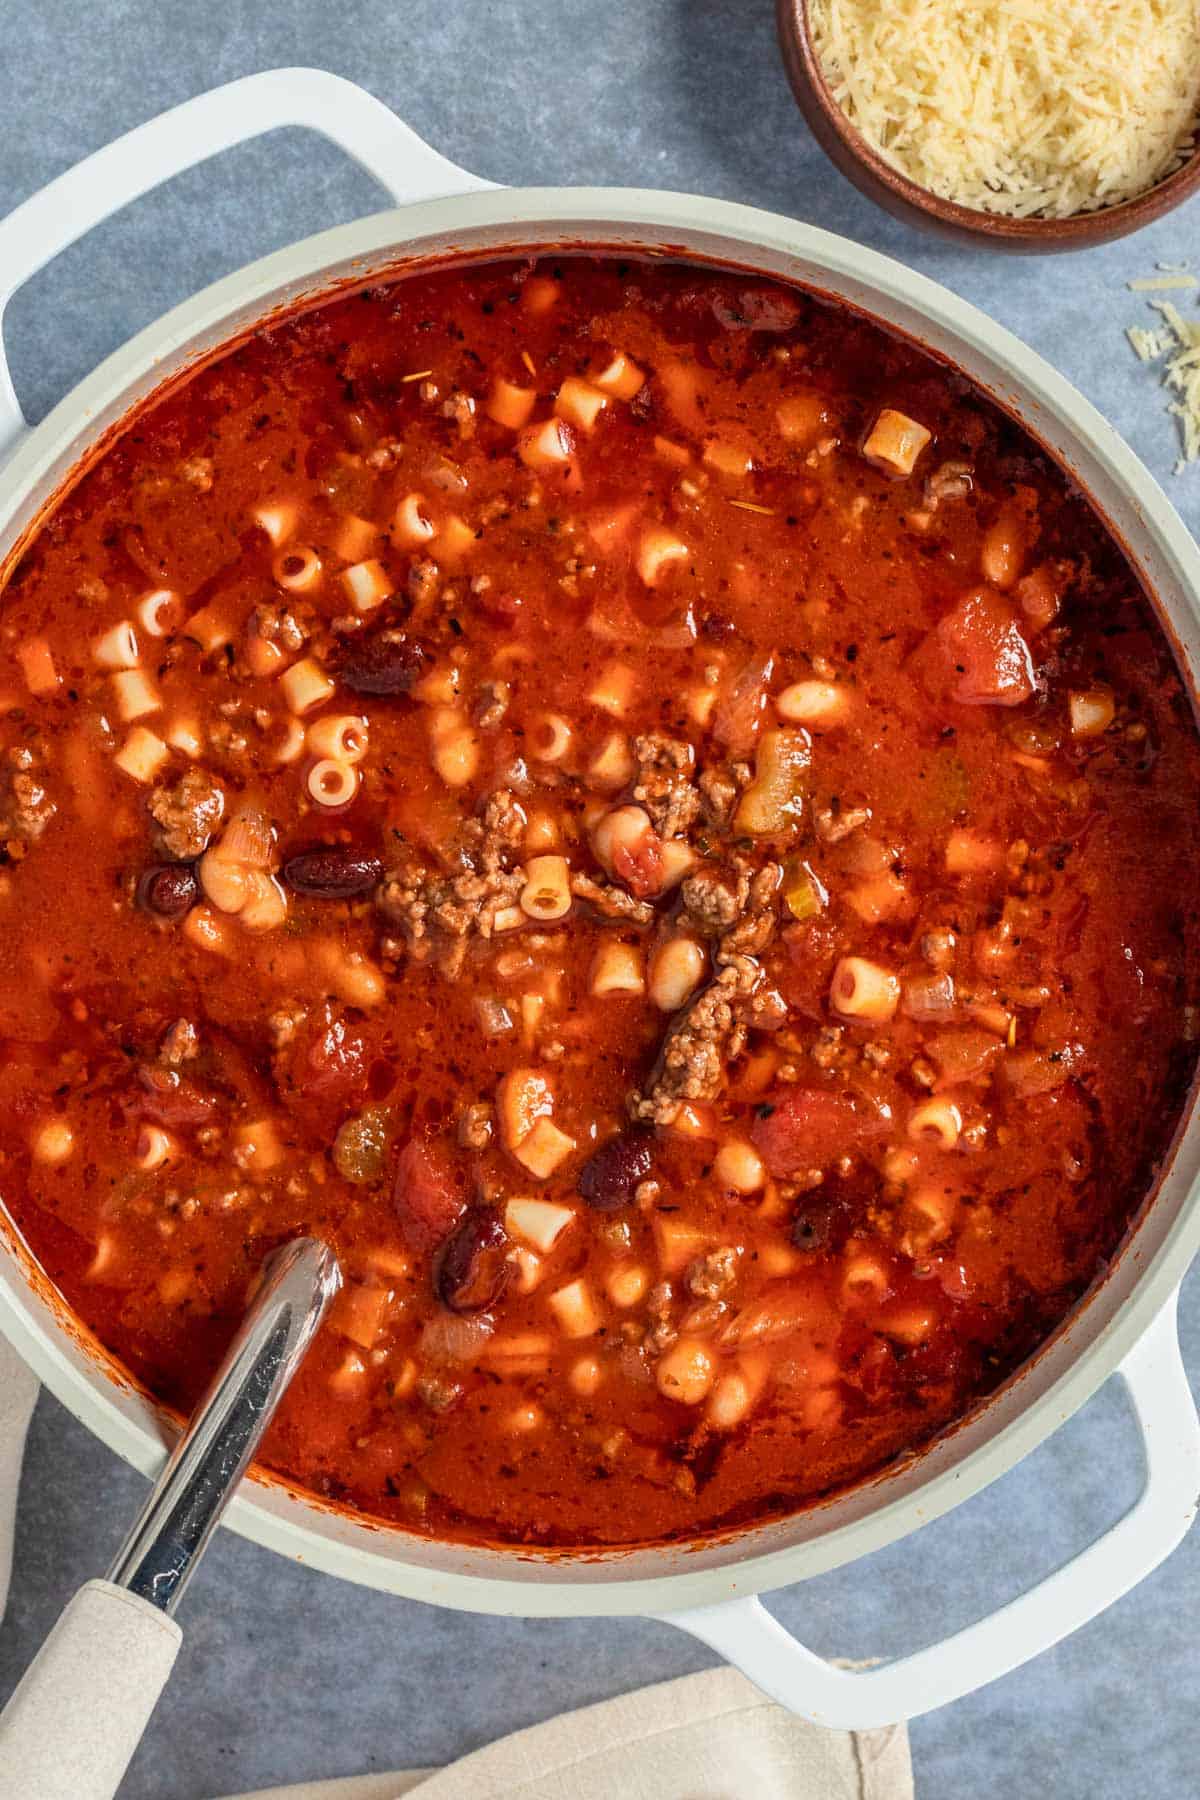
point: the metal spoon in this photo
(79, 1712)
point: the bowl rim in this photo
(863, 164)
(1091, 1343)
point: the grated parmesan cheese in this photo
(1178, 339)
(1023, 107)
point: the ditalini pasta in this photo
(646, 812)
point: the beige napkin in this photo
(707, 1737)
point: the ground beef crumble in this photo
(187, 814)
(438, 912)
(664, 782)
(25, 807)
(713, 1277)
(180, 1044)
(712, 1029)
(611, 902)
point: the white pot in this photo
(1126, 1325)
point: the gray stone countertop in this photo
(287, 1674)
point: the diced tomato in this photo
(640, 865)
(327, 1072)
(427, 1193)
(804, 1128)
(977, 655)
(1030, 1072)
(812, 951)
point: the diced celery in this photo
(803, 894)
(774, 800)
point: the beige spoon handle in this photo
(81, 1707)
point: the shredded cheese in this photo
(1178, 339)
(1023, 107)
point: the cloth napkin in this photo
(711, 1736)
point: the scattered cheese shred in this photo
(1178, 339)
(1024, 107)
(1160, 284)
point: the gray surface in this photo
(286, 1674)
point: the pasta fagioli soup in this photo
(643, 810)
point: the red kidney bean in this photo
(385, 663)
(335, 873)
(611, 1175)
(473, 1269)
(168, 890)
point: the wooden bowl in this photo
(863, 165)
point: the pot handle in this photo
(746, 1635)
(152, 153)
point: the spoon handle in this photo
(79, 1711)
(167, 1539)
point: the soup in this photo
(648, 814)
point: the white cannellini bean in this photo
(53, 1142)
(585, 1376)
(1092, 712)
(731, 1401)
(207, 931)
(685, 1372)
(738, 1165)
(627, 1284)
(676, 971)
(265, 905)
(625, 828)
(812, 703)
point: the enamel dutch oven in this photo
(1126, 1326)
